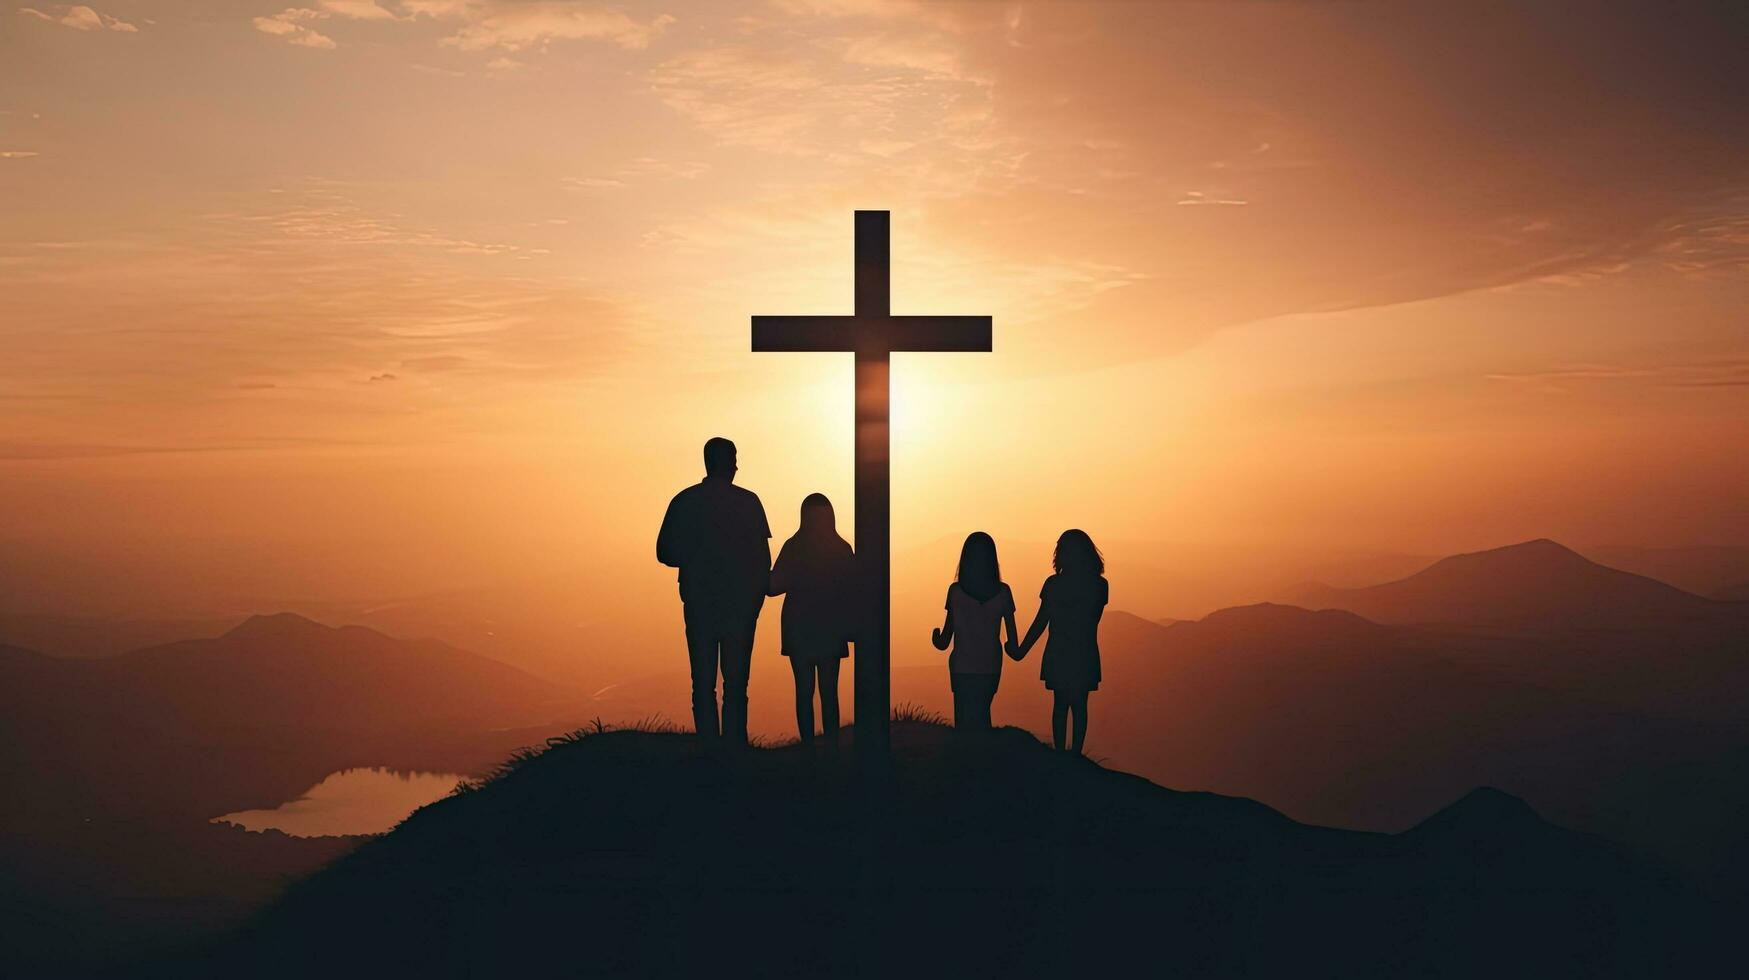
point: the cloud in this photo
(519, 26)
(293, 24)
(837, 99)
(1722, 373)
(1193, 198)
(328, 292)
(54, 451)
(504, 26)
(327, 216)
(593, 183)
(440, 9)
(81, 18)
(1376, 165)
(17, 154)
(641, 169)
(436, 364)
(358, 9)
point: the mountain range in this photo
(233, 719)
(1610, 702)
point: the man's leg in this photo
(804, 673)
(737, 662)
(986, 695)
(829, 696)
(702, 637)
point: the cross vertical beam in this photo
(873, 479)
(873, 333)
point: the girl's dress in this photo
(817, 576)
(1071, 660)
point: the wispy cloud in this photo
(1192, 198)
(520, 26)
(441, 9)
(327, 216)
(293, 24)
(1722, 373)
(80, 18)
(358, 9)
(53, 451)
(638, 170)
(17, 154)
(331, 295)
(814, 99)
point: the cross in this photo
(872, 333)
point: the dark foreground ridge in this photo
(634, 853)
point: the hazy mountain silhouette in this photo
(1536, 584)
(1341, 721)
(1733, 593)
(246, 719)
(635, 854)
(97, 636)
(1701, 569)
(285, 670)
(114, 766)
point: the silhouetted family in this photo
(716, 534)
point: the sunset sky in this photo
(373, 298)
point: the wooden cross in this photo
(872, 333)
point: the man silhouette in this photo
(716, 534)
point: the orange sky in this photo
(372, 298)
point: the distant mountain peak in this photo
(275, 626)
(1542, 544)
(1539, 550)
(1538, 583)
(1482, 812)
(1281, 615)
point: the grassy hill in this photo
(636, 853)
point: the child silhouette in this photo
(978, 602)
(816, 568)
(1070, 605)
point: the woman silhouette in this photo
(978, 603)
(816, 568)
(1071, 604)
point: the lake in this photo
(352, 801)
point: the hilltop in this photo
(635, 853)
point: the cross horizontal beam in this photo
(874, 335)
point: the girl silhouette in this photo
(1070, 604)
(978, 602)
(816, 568)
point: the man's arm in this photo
(764, 547)
(671, 544)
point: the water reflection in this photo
(352, 801)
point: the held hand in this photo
(1014, 650)
(938, 638)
